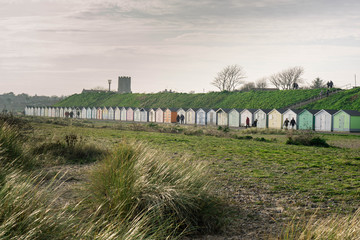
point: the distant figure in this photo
(255, 123)
(295, 85)
(182, 119)
(177, 118)
(286, 123)
(292, 123)
(71, 114)
(247, 122)
(327, 92)
(331, 84)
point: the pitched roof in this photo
(352, 112)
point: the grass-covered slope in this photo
(252, 99)
(348, 100)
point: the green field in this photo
(252, 99)
(266, 181)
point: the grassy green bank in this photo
(251, 99)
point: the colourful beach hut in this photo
(129, 114)
(117, 114)
(211, 116)
(234, 117)
(247, 113)
(275, 118)
(159, 115)
(261, 118)
(170, 115)
(110, 113)
(291, 114)
(99, 113)
(323, 120)
(346, 121)
(306, 119)
(222, 117)
(152, 115)
(123, 114)
(143, 115)
(83, 112)
(201, 116)
(93, 112)
(137, 115)
(190, 116)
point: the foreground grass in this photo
(134, 193)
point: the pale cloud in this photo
(174, 44)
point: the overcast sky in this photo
(59, 47)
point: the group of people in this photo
(292, 123)
(330, 84)
(180, 119)
(248, 122)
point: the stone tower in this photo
(124, 85)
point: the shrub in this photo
(307, 139)
(73, 148)
(174, 196)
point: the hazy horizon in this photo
(62, 47)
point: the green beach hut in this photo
(346, 121)
(306, 119)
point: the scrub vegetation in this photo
(101, 180)
(251, 99)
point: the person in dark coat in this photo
(177, 118)
(286, 123)
(182, 119)
(247, 122)
(292, 123)
(255, 123)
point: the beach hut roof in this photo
(252, 110)
(227, 110)
(330, 111)
(297, 111)
(350, 112)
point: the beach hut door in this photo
(341, 122)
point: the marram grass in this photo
(171, 196)
(335, 227)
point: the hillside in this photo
(252, 99)
(349, 100)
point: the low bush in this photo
(72, 148)
(307, 139)
(172, 197)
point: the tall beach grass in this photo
(172, 196)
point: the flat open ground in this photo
(265, 181)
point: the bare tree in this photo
(247, 86)
(261, 83)
(287, 78)
(318, 83)
(229, 78)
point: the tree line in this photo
(233, 76)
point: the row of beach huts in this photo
(318, 120)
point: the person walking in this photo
(293, 123)
(286, 123)
(247, 122)
(182, 119)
